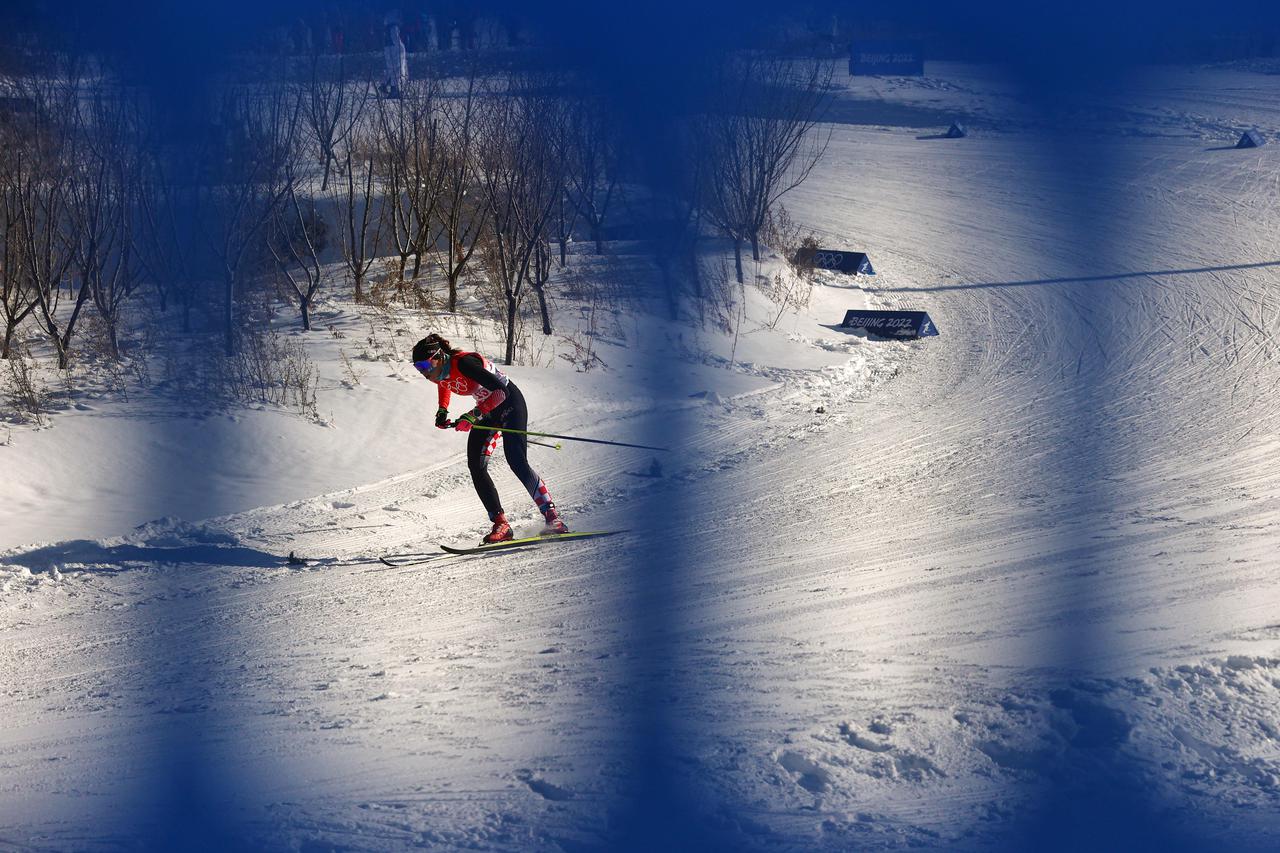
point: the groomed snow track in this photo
(1049, 541)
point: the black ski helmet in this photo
(430, 347)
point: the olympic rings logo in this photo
(828, 260)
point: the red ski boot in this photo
(555, 524)
(501, 531)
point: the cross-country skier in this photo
(499, 403)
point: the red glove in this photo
(467, 421)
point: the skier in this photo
(499, 403)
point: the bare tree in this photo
(540, 274)
(760, 136)
(522, 174)
(259, 128)
(460, 211)
(17, 297)
(42, 177)
(167, 236)
(362, 224)
(553, 129)
(102, 192)
(564, 216)
(593, 163)
(332, 106)
(298, 234)
(564, 212)
(412, 170)
(673, 174)
(429, 168)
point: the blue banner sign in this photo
(850, 263)
(886, 58)
(891, 324)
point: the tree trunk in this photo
(63, 343)
(542, 308)
(737, 258)
(453, 292)
(328, 159)
(597, 234)
(359, 279)
(669, 285)
(417, 264)
(564, 251)
(228, 315)
(755, 247)
(695, 273)
(542, 273)
(7, 351)
(511, 331)
(306, 313)
(64, 353)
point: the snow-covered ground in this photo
(1039, 547)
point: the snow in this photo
(1039, 547)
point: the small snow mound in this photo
(711, 398)
(808, 773)
(854, 737)
(170, 532)
(543, 788)
(915, 768)
(1242, 662)
(15, 579)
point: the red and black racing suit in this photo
(502, 405)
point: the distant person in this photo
(499, 403)
(397, 64)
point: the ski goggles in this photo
(424, 366)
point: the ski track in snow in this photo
(1045, 538)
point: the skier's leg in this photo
(480, 445)
(516, 448)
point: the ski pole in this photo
(555, 446)
(568, 437)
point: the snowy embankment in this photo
(109, 465)
(1039, 547)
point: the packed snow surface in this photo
(1042, 543)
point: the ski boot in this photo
(501, 531)
(554, 523)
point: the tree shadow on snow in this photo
(1079, 279)
(95, 556)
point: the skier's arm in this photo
(444, 394)
(472, 367)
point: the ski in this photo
(397, 561)
(527, 541)
(407, 555)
